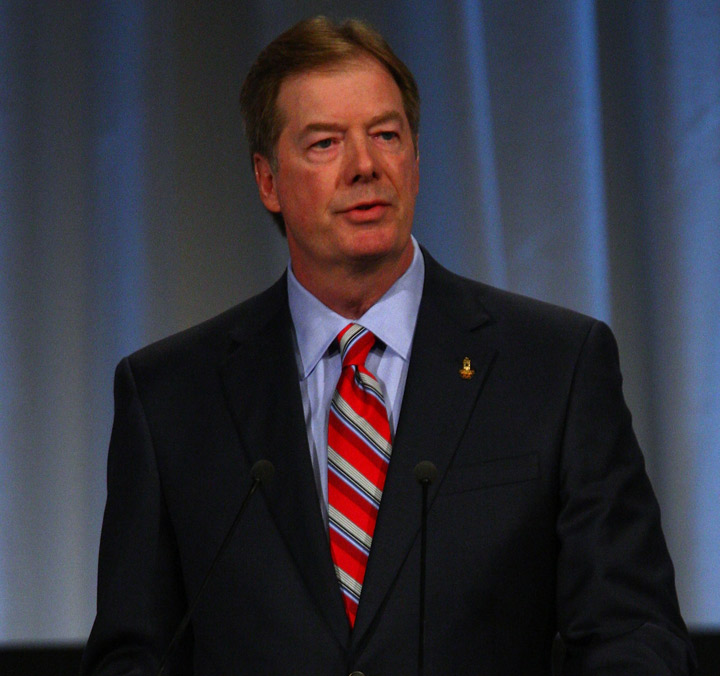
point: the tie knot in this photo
(355, 344)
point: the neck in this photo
(351, 292)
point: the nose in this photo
(361, 160)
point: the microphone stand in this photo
(261, 472)
(425, 473)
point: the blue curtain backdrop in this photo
(569, 151)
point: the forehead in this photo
(352, 86)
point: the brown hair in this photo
(309, 44)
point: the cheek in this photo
(415, 176)
(408, 176)
(305, 206)
(307, 192)
(410, 189)
(314, 192)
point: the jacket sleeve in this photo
(140, 598)
(617, 606)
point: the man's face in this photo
(347, 176)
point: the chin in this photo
(377, 251)
(379, 241)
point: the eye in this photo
(388, 135)
(323, 144)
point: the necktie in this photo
(359, 447)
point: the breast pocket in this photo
(494, 472)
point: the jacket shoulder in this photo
(510, 313)
(213, 338)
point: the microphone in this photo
(261, 472)
(425, 473)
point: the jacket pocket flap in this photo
(492, 473)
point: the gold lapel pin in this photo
(466, 372)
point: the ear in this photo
(266, 183)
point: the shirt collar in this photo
(392, 318)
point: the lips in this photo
(366, 212)
(367, 205)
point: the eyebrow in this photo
(389, 116)
(319, 126)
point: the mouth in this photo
(367, 206)
(366, 212)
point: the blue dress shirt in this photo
(392, 319)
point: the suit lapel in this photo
(260, 379)
(436, 407)
(267, 410)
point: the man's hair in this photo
(313, 43)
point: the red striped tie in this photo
(359, 447)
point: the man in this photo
(541, 518)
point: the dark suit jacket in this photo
(542, 519)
